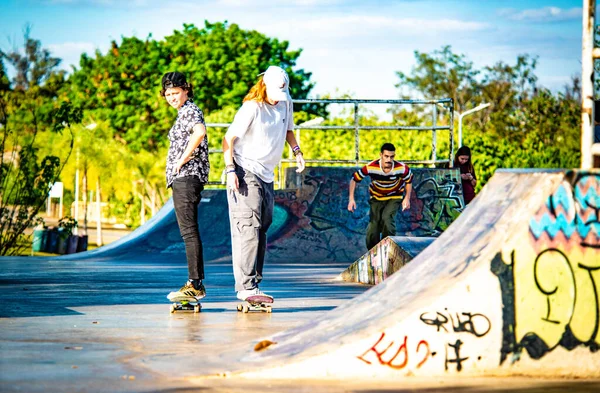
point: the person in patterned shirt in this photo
(390, 188)
(187, 173)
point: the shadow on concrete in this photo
(33, 287)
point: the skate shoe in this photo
(246, 293)
(189, 290)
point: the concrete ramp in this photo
(511, 289)
(311, 222)
(385, 259)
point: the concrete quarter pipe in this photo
(512, 288)
(311, 222)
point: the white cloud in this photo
(270, 3)
(70, 52)
(130, 3)
(545, 14)
(356, 25)
(67, 48)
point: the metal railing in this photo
(357, 127)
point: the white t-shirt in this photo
(261, 130)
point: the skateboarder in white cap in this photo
(252, 148)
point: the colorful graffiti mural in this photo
(550, 283)
(319, 224)
(310, 223)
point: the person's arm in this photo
(241, 122)
(356, 178)
(406, 200)
(291, 140)
(407, 178)
(232, 180)
(351, 201)
(198, 134)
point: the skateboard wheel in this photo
(269, 310)
(245, 309)
(197, 308)
(239, 307)
(172, 308)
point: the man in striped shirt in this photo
(391, 186)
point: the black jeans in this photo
(186, 196)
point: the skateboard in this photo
(256, 303)
(185, 303)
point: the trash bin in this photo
(38, 240)
(72, 243)
(82, 244)
(52, 242)
(61, 243)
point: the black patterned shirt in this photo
(179, 136)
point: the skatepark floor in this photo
(103, 325)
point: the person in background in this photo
(462, 161)
(391, 187)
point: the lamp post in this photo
(461, 115)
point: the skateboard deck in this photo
(184, 303)
(256, 303)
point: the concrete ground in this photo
(104, 326)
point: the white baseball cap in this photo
(277, 82)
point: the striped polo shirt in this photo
(385, 186)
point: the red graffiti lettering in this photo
(399, 358)
(423, 342)
(374, 349)
(402, 349)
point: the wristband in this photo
(230, 166)
(230, 171)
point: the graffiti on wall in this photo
(453, 330)
(314, 219)
(437, 201)
(386, 258)
(550, 283)
(397, 354)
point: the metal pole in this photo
(434, 136)
(76, 212)
(451, 158)
(356, 125)
(461, 115)
(587, 84)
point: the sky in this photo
(351, 47)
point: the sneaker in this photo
(243, 295)
(189, 290)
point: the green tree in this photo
(508, 88)
(26, 176)
(221, 61)
(4, 82)
(443, 74)
(28, 108)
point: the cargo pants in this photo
(250, 215)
